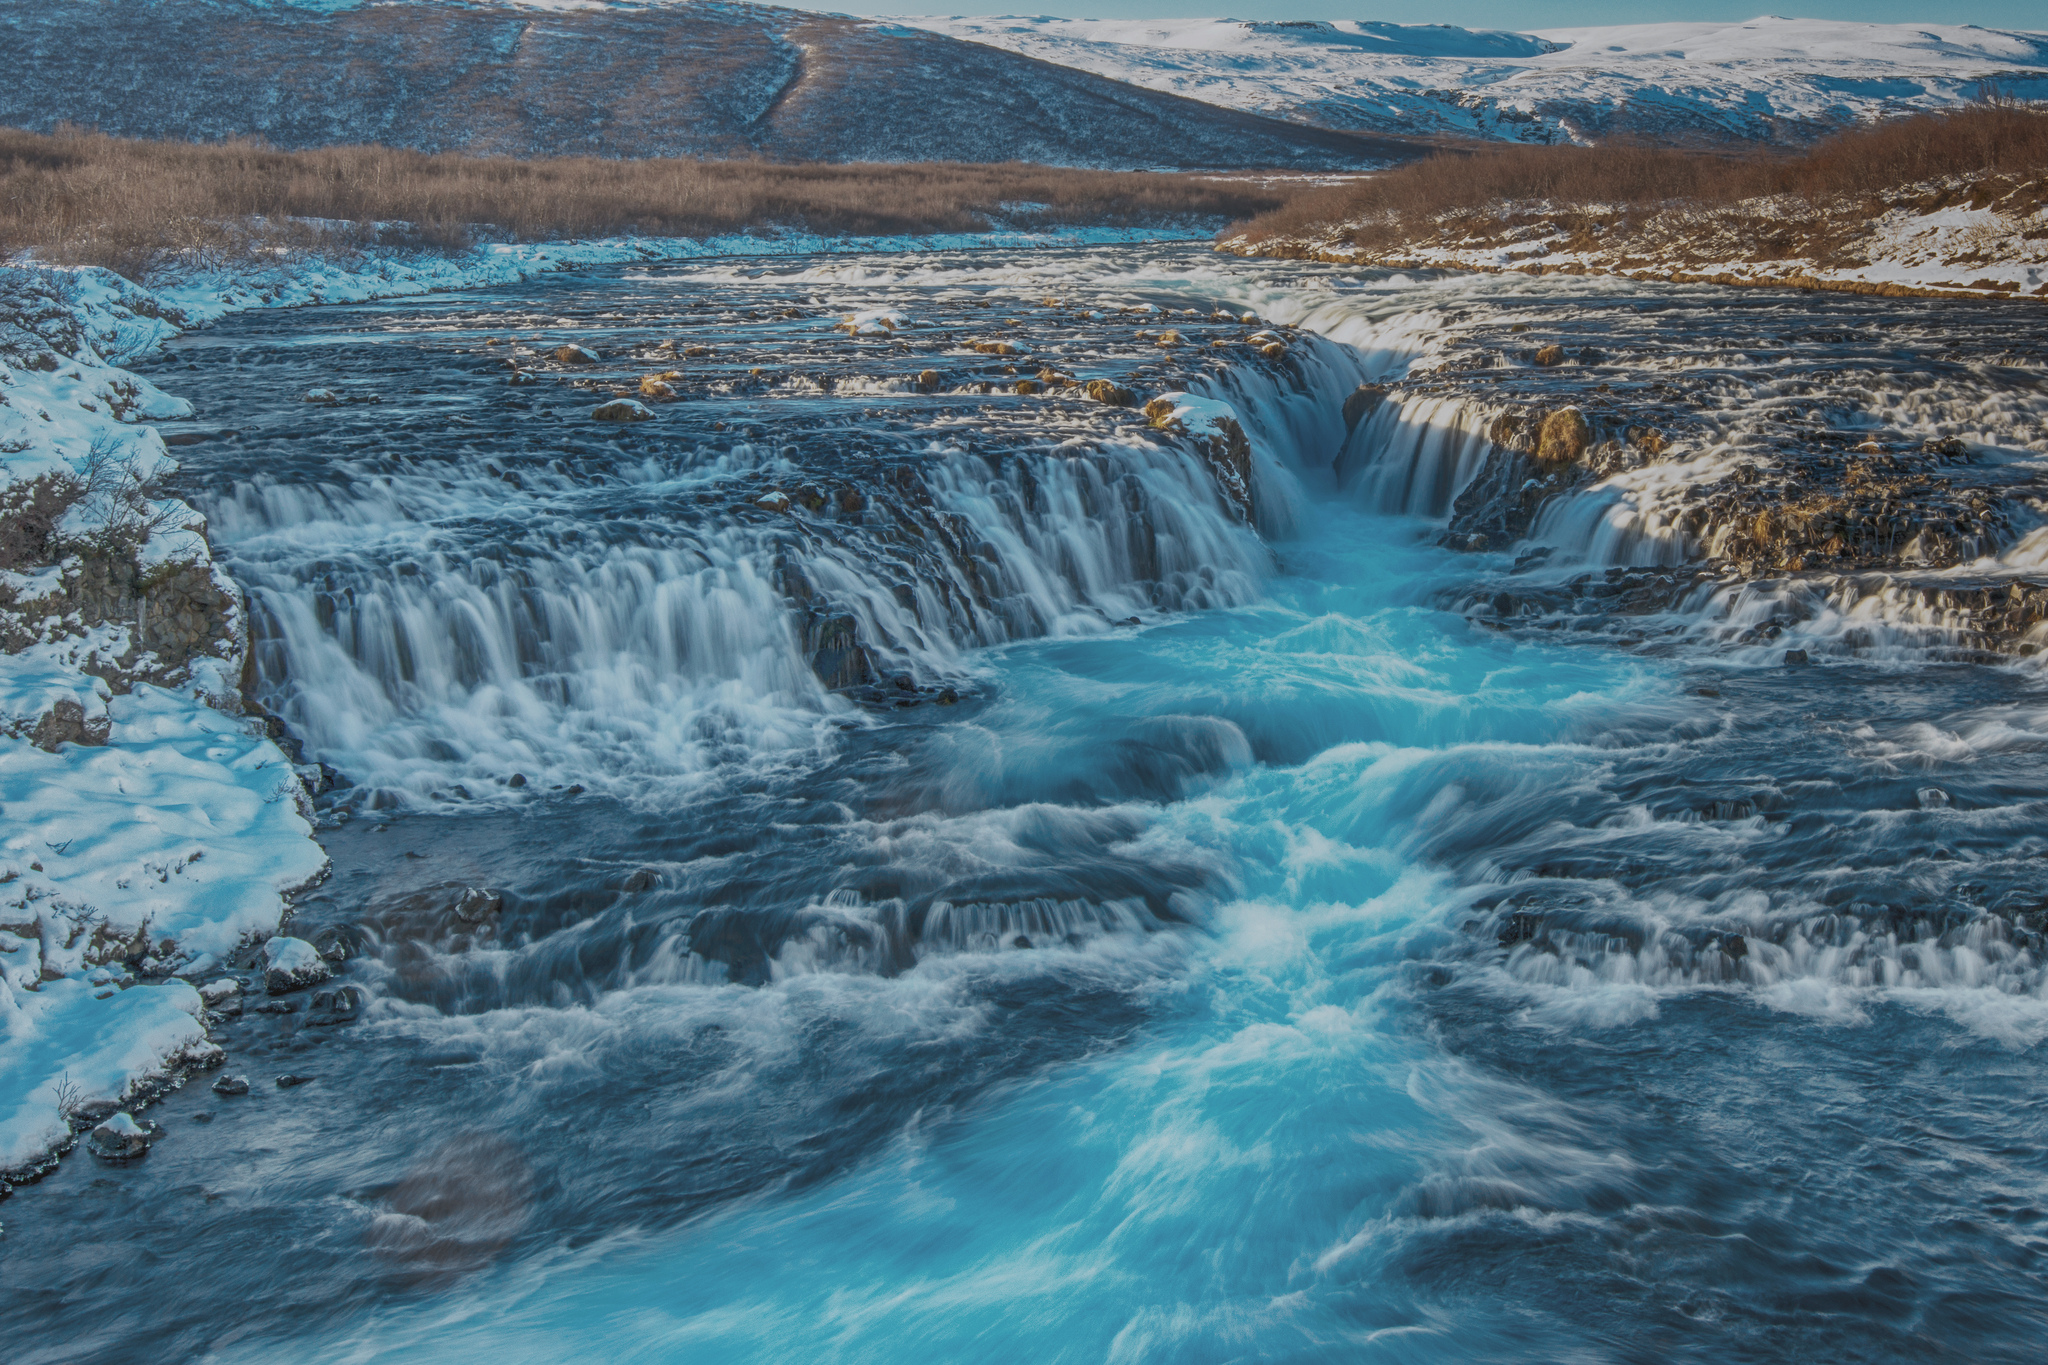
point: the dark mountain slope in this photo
(720, 80)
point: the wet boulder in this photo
(291, 964)
(341, 1006)
(231, 1085)
(995, 348)
(927, 381)
(622, 410)
(776, 501)
(1550, 355)
(1110, 394)
(1028, 387)
(325, 398)
(573, 354)
(657, 388)
(477, 904)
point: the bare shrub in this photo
(116, 501)
(29, 513)
(77, 197)
(2001, 144)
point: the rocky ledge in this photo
(1873, 468)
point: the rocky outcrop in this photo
(1675, 468)
(133, 623)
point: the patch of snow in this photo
(63, 1043)
(283, 954)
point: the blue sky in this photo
(2032, 14)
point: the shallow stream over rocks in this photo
(869, 864)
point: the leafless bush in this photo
(117, 501)
(2002, 145)
(69, 1095)
(80, 198)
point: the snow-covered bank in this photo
(146, 826)
(149, 830)
(1956, 250)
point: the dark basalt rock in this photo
(231, 1085)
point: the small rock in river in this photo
(643, 880)
(288, 1080)
(477, 904)
(573, 354)
(291, 963)
(1553, 354)
(343, 1006)
(1796, 658)
(324, 397)
(1931, 798)
(774, 502)
(1113, 395)
(121, 1138)
(231, 1085)
(1564, 437)
(622, 410)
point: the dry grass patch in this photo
(136, 206)
(1989, 155)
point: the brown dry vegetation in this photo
(84, 199)
(2000, 147)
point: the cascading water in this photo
(1305, 972)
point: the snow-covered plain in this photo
(1771, 78)
(128, 864)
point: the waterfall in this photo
(441, 629)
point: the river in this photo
(1021, 903)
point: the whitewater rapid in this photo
(1258, 959)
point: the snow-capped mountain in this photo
(1784, 80)
(577, 77)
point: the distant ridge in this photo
(613, 80)
(1768, 79)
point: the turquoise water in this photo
(1232, 1180)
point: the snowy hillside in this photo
(1785, 80)
(614, 80)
